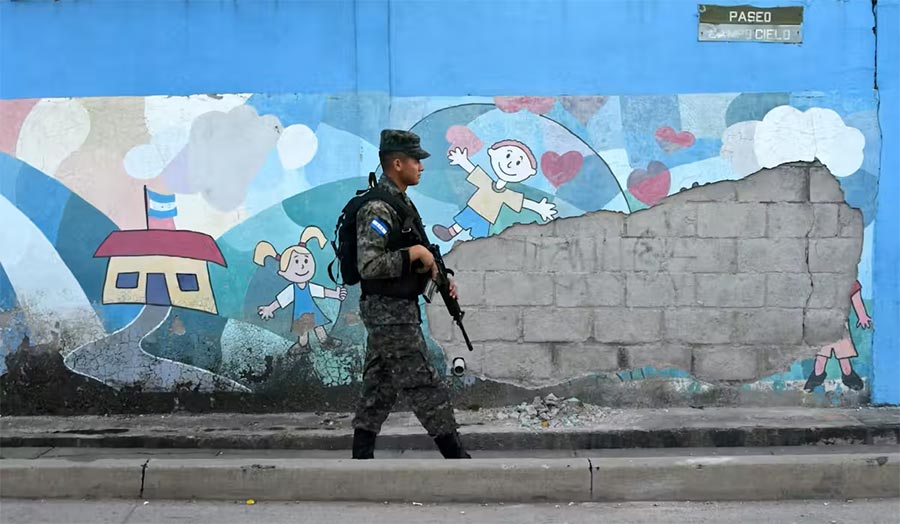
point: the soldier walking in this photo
(395, 266)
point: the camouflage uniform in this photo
(396, 359)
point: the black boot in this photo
(364, 444)
(814, 381)
(450, 446)
(852, 380)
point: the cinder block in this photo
(764, 255)
(659, 289)
(660, 355)
(646, 223)
(834, 255)
(788, 289)
(731, 290)
(600, 224)
(707, 255)
(824, 326)
(506, 288)
(682, 219)
(789, 220)
(830, 290)
(589, 289)
(497, 323)
(495, 254)
(627, 325)
(470, 286)
(823, 186)
(769, 325)
(825, 220)
(552, 324)
(726, 362)
(850, 222)
(644, 254)
(780, 184)
(731, 220)
(610, 256)
(526, 364)
(550, 254)
(579, 359)
(698, 325)
(440, 324)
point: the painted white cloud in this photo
(787, 134)
(297, 146)
(169, 120)
(53, 130)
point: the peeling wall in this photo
(680, 238)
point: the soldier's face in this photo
(409, 169)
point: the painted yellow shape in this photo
(201, 300)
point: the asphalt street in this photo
(133, 512)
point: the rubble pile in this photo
(551, 412)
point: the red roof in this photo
(161, 242)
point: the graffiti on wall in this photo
(142, 295)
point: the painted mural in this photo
(168, 242)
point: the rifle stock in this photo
(442, 284)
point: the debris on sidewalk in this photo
(550, 412)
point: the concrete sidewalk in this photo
(615, 475)
(482, 430)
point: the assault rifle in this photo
(442, 284)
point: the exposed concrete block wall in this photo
(731, 282)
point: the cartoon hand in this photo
(865, 322)
(546, 210)
(458, 156)
(342, 293)
(266, 312)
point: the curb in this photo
(762, 477)
(475, 439)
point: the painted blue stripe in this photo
(159, 197)
(155, 213)
(416, 48)
(886, 278)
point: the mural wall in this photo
(181, 243)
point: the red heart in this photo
(670, 140)
(513, 104)
(560, 169)
(463, 138)
(583, 107)
(650, 185)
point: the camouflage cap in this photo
(399, 141)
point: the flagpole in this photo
(146, 208)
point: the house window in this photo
(188, 282)
(127, 280)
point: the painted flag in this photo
(161, 210)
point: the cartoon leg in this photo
(817, 377)
(446, 233)
(326, 341)
(301, 346)
(844, 351)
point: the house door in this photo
(157, 291)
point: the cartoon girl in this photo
(298, 266)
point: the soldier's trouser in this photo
(396, 363)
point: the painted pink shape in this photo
(513, 104)
(650, 185)
(583, 107)
(559, 169)
(670, 140)
(463, 138)
(12, 114)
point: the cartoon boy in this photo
(843, 349)
(297, 266)
(512, 161)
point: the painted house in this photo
(160, 267)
